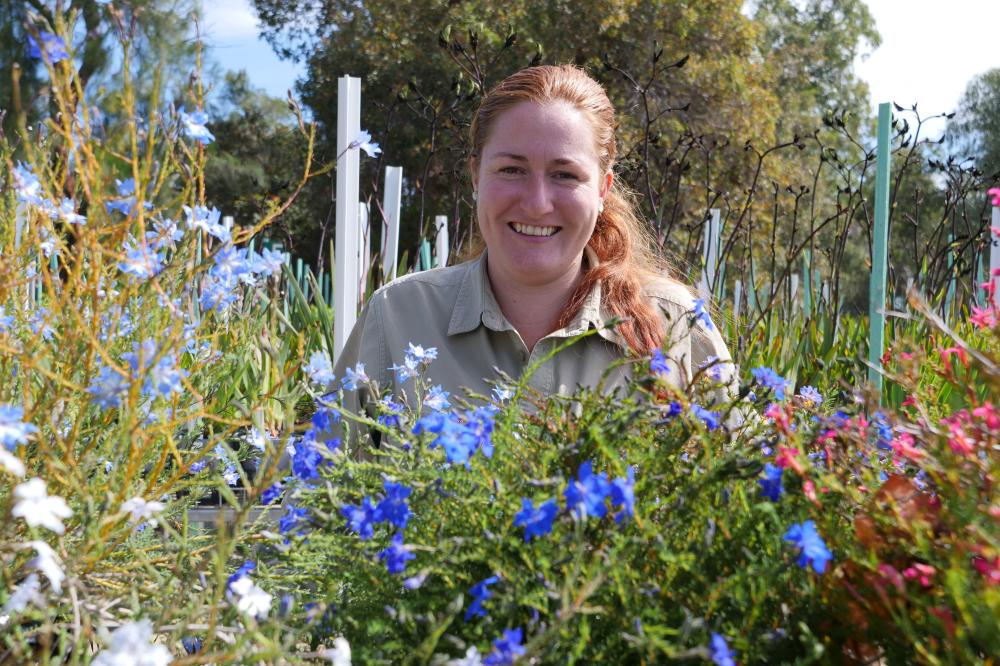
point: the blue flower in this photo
(354, 377)
(163, 378)
(480, 592)
(13, 429)
(721, 654)
(49, 47)
(191, 644)
(206, 220)
(699, 313)
(26, 184)
(710, 418)
(272, 493)
(306, 459)
(323, 421)
(770, 483)
(658, 364)
(393, 507)
(244, 570)
(536, 522)
(293, 518)
(885, 436)
(812, 548)
(319, 369)
(218, 293)
(194, 126)
(108, 388)
(417, 355)
(231, 475)
(585, 497)
(392, 410)
(811, 396)
(623, 495)
(364, 142)
(396, 555)
(230, 263)
(506, 649)
(140, 261)
(361, 517)
(437, 399)
(770, 379)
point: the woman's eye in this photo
(510, 169)
(566, 175)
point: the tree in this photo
(150, 28)
(975, 129)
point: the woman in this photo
(564, 253)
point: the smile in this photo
(528, 230)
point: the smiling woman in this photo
(563, 252)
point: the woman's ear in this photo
(608, 179)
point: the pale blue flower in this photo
(320, 370)
(364, 142)
(231, 475)
(66, 211)
(811, 396)
(13, 429)
(194, 126)
(699, 313)
(140, 261)
(354, 377)
(437, 399)
(6, 320)
(27, 187)
(108, 388)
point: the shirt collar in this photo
(476, 305)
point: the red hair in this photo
(621, 240)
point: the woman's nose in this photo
(536, 197)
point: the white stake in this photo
(710, 254)
(390, 230)
(441, 241)
(364, 249)
(345, 285)
(737, 294)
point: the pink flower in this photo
(994, 193)
(990, 287)
(903, 446)
(920, 572)
(809, 490)
(989, 416)
(780, 416)
(889, 574)
(786, 458)
(988, 568)
(947, 353)
(983, 317)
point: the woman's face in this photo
(539, 184)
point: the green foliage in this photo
(977, 125)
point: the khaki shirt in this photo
(454, 310)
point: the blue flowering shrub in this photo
(155, 356)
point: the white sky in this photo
(930, 49)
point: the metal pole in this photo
(880, 244)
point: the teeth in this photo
(528, 230)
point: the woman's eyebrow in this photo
(560, 161)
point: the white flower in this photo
(339, 654)
(131, 646)
(37, 508)
(11, 463)
(252, 600)
(48, 563)
(471, 658)
(141, 510)
(28, 592)
(257, 439)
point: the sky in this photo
(930, 50)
